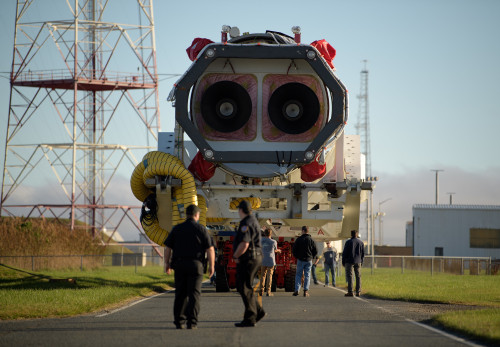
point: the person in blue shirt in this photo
(269, 247)
(330, 261)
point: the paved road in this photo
(325, 318)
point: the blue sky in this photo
(433, 91)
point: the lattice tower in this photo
(75, 86)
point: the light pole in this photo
(380, 215)
(437, 184)
(451, 197)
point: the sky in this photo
(433, 84)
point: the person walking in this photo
(269, 248)
(352, 259)
(185, 251)
(330, 261)
(248, 257)
(304, 249)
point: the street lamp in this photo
(380, 215)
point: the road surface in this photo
(326, 318)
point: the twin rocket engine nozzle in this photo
(260, 105)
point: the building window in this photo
(484, 238)
(438, 251)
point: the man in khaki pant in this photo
(269, 247)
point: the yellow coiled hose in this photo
(255, 202)
(202, 204)
(162, 164)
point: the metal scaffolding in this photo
(81, 79)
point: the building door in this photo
(438, 251)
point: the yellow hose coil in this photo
(202, 204)
(162, 164)
(167, 165)
(255, 202)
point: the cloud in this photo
(417, 186)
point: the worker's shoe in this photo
(295, 293)
(358, 293)
(260, 315)
(269, 294)
(316, 282)
(306, 293)
(349, 294)
(244, 324)
(178, 325)
(192, 326)
(261, 293)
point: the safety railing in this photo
(90, 75)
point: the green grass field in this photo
(23, 295)
(420, 286)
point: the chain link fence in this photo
(82, 262)
(451, 265)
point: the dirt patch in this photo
(417, 311)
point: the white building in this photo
(456, 230)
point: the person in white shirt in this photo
(269, 247)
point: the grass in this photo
(25, 295)
(420, 286)
(417, 286)
(481, 324)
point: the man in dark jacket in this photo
(187, 244)
(304, 249)
(352, 258)
(248, 257)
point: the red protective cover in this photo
(312, 171)
(326, 50)
(196, 47)
(201, 169)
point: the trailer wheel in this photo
(290, 278)
(221, 284)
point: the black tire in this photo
(273, 284)
(290, 279)
(221, 284)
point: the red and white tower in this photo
(83, 94)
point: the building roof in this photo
(456, 207)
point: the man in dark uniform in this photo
(352, 258)
(248, 256)
(187, 243)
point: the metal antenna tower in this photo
(363, 129)
(363, 124)
(83, 92)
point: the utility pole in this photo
(380, 215)
(437, 184)
(451, 197)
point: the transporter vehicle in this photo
(265, 115)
